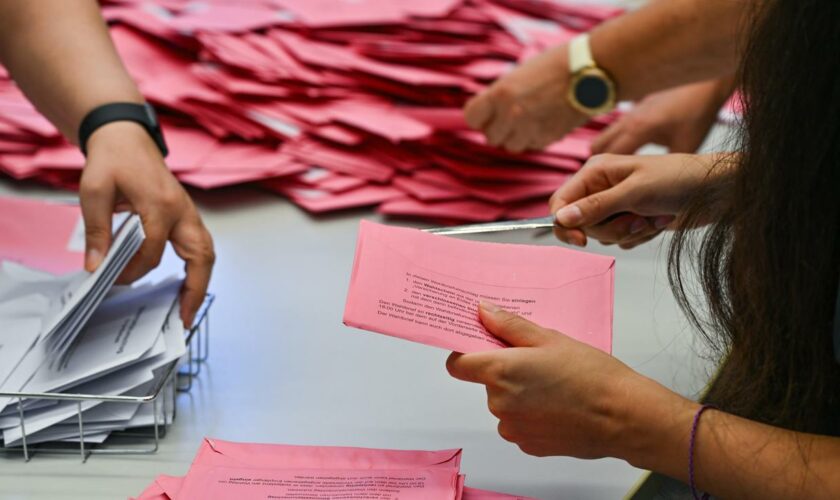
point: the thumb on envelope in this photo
(515, 330)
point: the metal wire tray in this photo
(175, 379)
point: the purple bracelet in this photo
(691, 444)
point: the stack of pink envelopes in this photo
(331, 103)
(223, 470)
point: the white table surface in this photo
(283, 368)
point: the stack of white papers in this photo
(80, 299)
(79, 334)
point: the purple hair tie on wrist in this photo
(691, 444)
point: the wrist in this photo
(591, 88)
(655, 425)
(724, 88)
(713, 94)
(120, 137)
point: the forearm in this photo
(669, 43)
(60, 54)
(733, 457)
(713, 94)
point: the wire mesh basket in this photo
(172, 379)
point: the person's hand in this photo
(678, 118)
(627, 200)
(125, 170)
(527, 108)
(554, 395)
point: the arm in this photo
(61, 56)
(735, 457)
(556, 396)
(677, 118)
(671, 42)
(662, 45)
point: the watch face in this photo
(591, 91)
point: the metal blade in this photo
(495, 227)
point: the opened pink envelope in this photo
(426, 288)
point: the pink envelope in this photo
(513, 192)
(380, 119)
(231, 18)
(494, 192)
(337, 183)
(40, 234)
(218, 452)
(215, 453)
(152, 492)
(321, 200)
(480, 171)
(425, 288)
(528, 210)
(8, 145)
(457, 210)
(162, 488)
(439, 118)
(324, 13)
(144, 57)
(249, 483)
(210, 179)
(426, 192)
(348, 161)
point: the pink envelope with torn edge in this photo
(215, 453)
(426, 288)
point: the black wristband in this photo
(143, 114)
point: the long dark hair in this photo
(769, 267)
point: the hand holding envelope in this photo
(552, 394)
(548, 387)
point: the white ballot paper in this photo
(72, 300)
(80, 334)
(125, 329)
(81, 298)
(123, 350)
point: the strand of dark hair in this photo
(769, 267)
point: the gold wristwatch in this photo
(591, 89)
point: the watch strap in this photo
(837, 325)
(142, 114)
(580, 55)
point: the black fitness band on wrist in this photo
(143, 114)
(837, 325)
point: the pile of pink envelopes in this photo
(331, 103)
(223, 470)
